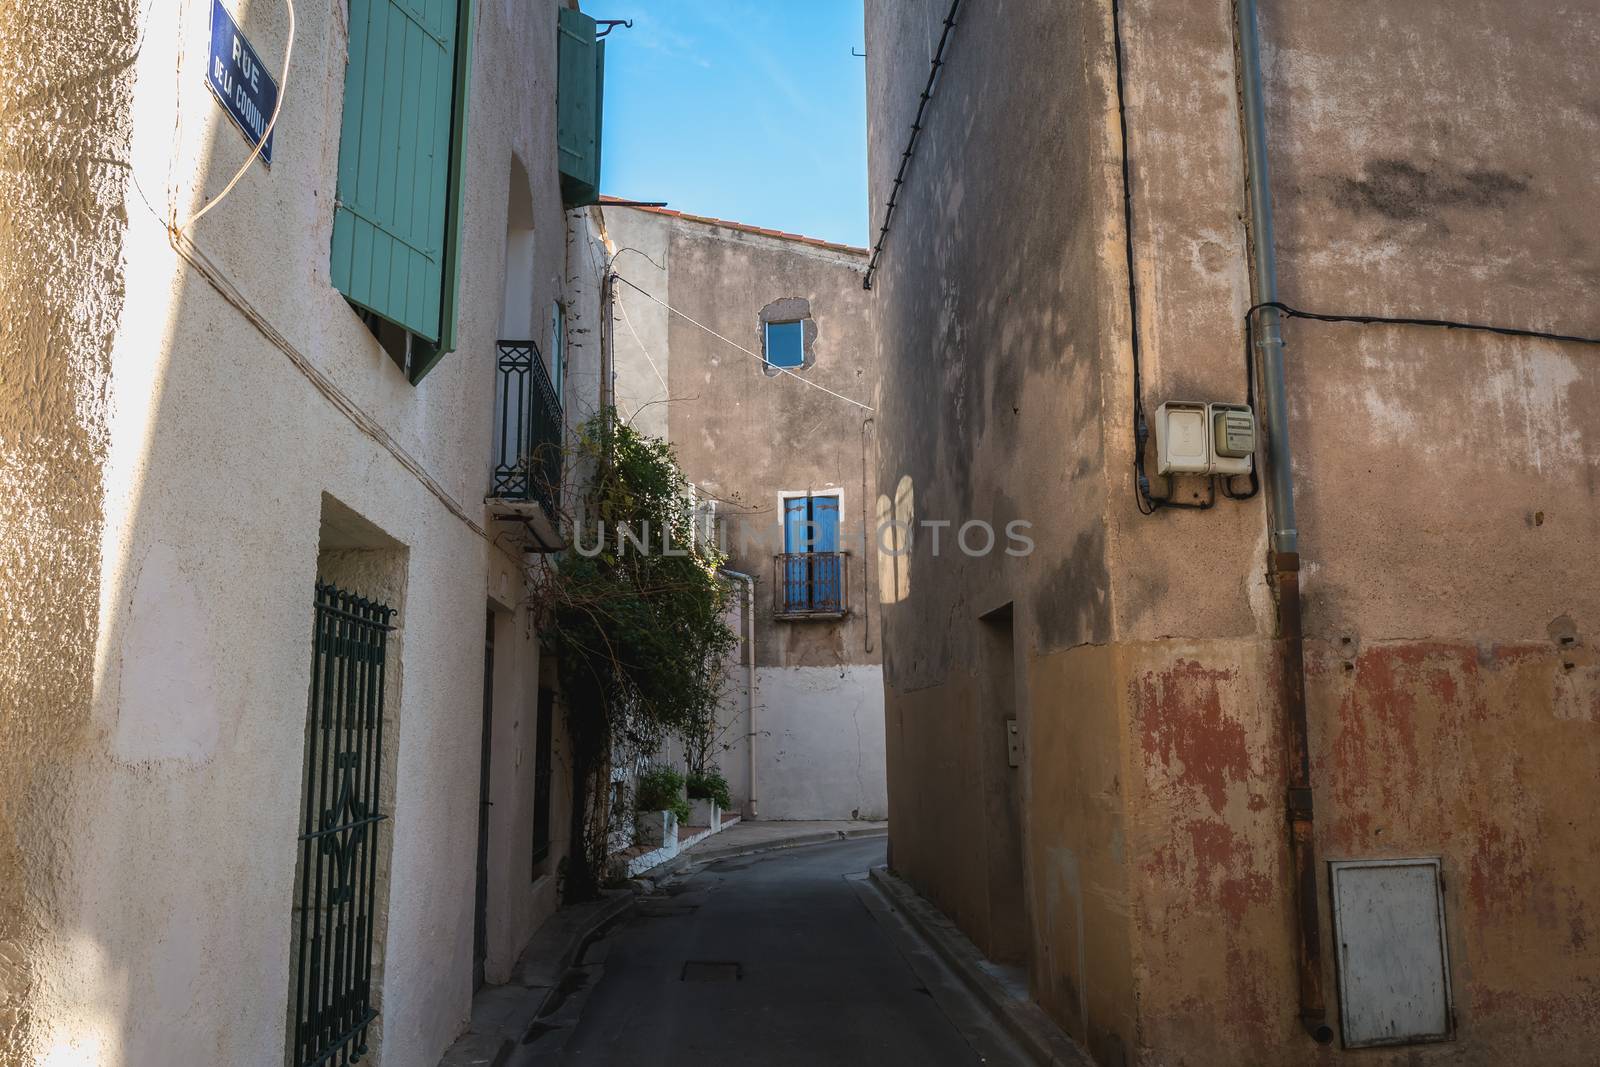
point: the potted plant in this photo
(659, 807)
(708, 798)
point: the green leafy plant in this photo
(661, 789)
(639, 637)
(709, 785)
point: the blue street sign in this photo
(240, 80)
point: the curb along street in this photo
(504, 1016)
(1022, 1019)
(700, 855)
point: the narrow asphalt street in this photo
(787, 957)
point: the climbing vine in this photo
(635, 616)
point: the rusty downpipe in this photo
(1284, 554)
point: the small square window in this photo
(786, 344)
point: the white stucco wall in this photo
(644, 257)
(820, 743)
(238, 408)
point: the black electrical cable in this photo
(1448, 324)
(911, 145)
(1147, 503)
(1368, 320)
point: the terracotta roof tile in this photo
(743, 227)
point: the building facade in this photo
(1074, 246)
(270, 437)
(707, 312)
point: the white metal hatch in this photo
(1394, 966)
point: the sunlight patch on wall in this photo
(896, 517)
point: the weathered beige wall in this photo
(1428, 160)
(172, 444)
(992, 308)
(743, 437)
(63, 177)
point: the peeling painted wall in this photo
(745, 435)
(1428, 160)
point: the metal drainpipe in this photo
(1284, 555)
(868, 545)
(750, 671)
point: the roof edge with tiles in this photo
(742, 227)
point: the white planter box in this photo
(704, 812)
(654, 829)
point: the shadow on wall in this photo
(183, 807)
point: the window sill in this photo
(808, 616)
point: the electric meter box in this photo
(1233, 438)
(1183, 438)
(1196, 438)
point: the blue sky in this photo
(750, 110)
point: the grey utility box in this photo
(1394, 967)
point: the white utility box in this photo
(1233, 438)
(1183, 438)
(1394, 955)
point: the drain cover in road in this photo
(711, 971)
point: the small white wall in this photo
(820, 743)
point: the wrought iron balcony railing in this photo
(810, 584)
(528, 430)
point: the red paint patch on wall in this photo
(1211, 869)
(1517, 1007)
(1501, 870)
(1400, 724)
(1183, 727)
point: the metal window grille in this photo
(542, 765)
(528, 424)
(810, 583)
(338, 866)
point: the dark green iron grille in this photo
(338, 867)
(528, 424)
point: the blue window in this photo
(786, 344)
(811, 524)
(812, 567)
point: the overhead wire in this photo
(1398, 320)
(1292, 312)
(626, 321)
(734, 344)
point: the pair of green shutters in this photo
(398, 200)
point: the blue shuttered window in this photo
(397, 201)
(811, 524)
(811, 568)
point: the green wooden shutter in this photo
(580, 87)
(394, 216)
